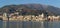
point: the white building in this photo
(5, 16)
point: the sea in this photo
(29, 24)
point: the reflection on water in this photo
(29, 24)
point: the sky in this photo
(55, 3)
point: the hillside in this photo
(28, 9)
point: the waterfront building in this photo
(13, 18)
(20, 17)
(50, 17)
(33, 18)
(53, 17)
(27, 18)
(5, 16)
(41, 17)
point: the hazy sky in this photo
(55, 3)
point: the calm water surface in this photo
(29, 24)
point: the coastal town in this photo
(40, 17)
